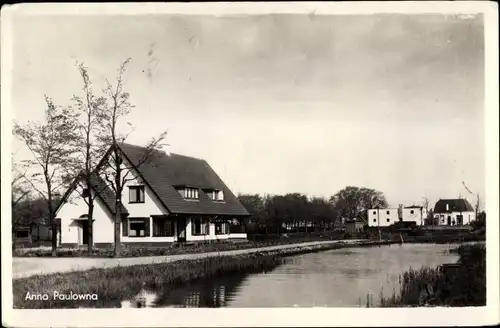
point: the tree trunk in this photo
(52, 221)
(118, 201)
(90, 239)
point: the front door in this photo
(85, 232)
(449, 219)
(181, 229)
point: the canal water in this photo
(335, 278)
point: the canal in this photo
(335, 278)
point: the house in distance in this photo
(453, 212)
(384, 217)
(170, 198)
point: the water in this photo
(336, 278)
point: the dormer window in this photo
(188, 193)
(215, 195)
(136, 194)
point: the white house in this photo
(384, 217)
(453, 212)
(169, 198)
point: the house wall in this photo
(380, 217)
(418, 215)
(468, 217)
(71, 232)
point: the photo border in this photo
(269, 317)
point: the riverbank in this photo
(460, 284)
(29, 266)
(102, 287)
(130, 250)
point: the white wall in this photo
(71, 232)
(380, 218)
(418, 216)
(468, 217)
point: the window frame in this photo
(204, 227)
(224, 228)
(165, 221)
(135, 220)
(138, 189)
(191, 193)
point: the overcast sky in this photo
(284, 103)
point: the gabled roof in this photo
(104, 193)
(164, 171)
(454, 205)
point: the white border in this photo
(269, 316)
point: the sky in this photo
(284, 102)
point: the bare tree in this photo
(116, 170)
(90, 147)
(478, 199)
(18, 184)
(50, 143)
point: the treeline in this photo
(296, 212)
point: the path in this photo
(29, 266)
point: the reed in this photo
(465, 286)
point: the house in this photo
(414, 213)
(453, 212)
(169, 198)
(384, 217)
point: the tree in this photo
(115, 169)
(352, 202)
(90, 146)
(18, 184)
(50, 143)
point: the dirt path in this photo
(29, 266)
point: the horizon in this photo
(393, 103)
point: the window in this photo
(221, 228)
(136, 227)
(215, 195)
(388, 212)
(411, 212)
(388, 220)
(136, 194)
(442, 218)
(22, 234)
(199, 227)
(374, 212)
(374, 220)
(189, 193)
(163, 227)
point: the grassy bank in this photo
(176, 248)
(463, 285)
(122, 283)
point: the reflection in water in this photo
(335, 278)
(203, 293)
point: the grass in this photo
(173, 249)
(114, 285)
(464, 286)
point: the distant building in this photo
(354, 226)
(384, 217)
(453, 212)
